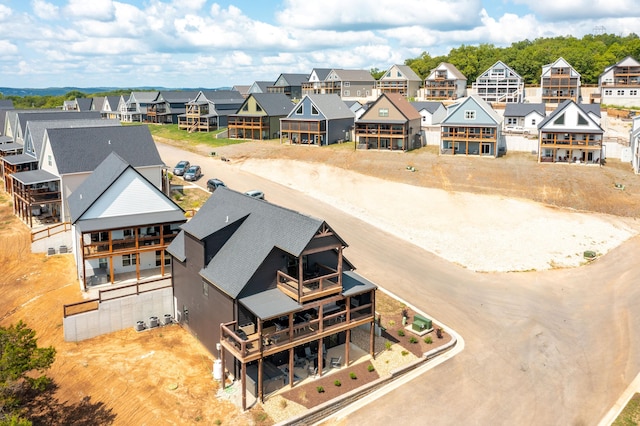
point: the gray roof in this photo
(293, 79)
(37, 129)
(408, 72)
(260, 228)
(354, 283)
(113, 102)
(10, 146)
(270, 304)
(96, 184)
(260, 86)
(98, 103)
(354, 75)
(176, 248)
(176, 96)
(331, 106)
(19, 158)
(274, 104)
(6, 104)
(223, 96)
(562, 107)
(321, 73)
(39, 115)
(429, 106)
(591, 108)
(84, 104)
(144, 97)
(523, 109)
(83, 149)
(33, 177)
(5, 139)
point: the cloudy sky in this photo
(208, 43)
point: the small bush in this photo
(413, 340)
(371, 368)
(387, 345)
(353, 376)
(320, 389)
(428, 340)
(283, 403)
(392, 323)
(405, 353)
(401, 333)
(337, 383)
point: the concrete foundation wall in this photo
(118, 314)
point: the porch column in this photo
(291, 368)
(320, 359)
(347, 347)
(260, 394)
(244, 386)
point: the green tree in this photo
(22, 366)
(377, 73)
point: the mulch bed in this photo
(308, 395)
(392, 322)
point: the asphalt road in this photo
(541, 348)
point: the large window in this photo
(383, 112)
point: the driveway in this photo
(542, 348)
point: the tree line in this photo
(589, 56)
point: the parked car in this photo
(213, 184)
(255, 193)
(193, 173)
(181, 167)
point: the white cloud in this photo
(100, 10)
(365, 13)
(5, 13)
(7, 48)
(44, 10)
(582, 9)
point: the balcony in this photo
(313, 285)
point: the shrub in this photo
(405, 353)
(353, 376)
(401, 333)
(428, 340)
(337, 383)
(371, 368)
(387, 345)
(392, 323)
(320, 389)
(413, 340)
(283, 403)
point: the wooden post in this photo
(260, 384)
(291, 368)
(347, 347)
(244, 386)
(320, 359)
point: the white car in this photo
(255, 194)
(517, 129)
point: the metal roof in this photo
(19, 158)
(354, 283)
(34, 176)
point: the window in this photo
(358, 93)
(633, 92)
(347, 84)
(128, 259)
(347, 93)
(512, 121)
(608, 92)
(167, 258)
(469, 115)
(300, 110)
(620, 92)
(245, 107)
(581, 120)
(383, 112)
(258, 108)
(127, 233)
(102, 263)
(559, 120)
(205, 289)
(49, 160)
(533, 121)
(314, 110)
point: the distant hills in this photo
(60, 91)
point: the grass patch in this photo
(171, 131)
(190, 198)
(630, 415)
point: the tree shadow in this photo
(42, 408)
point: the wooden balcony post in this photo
(260, 384)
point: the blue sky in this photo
(205, 43)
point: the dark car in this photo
(213, 184)
(181, 167)
(193, 173)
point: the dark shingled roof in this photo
(82, 149)
(261, 227)
(274, 104)
(523, 109)
(34, 176)
(429, 106)
(270, 304)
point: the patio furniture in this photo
(308, 354)
(335, 362)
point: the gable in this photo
(570, 117)
(129, 195)
(471, 113)
(382, 110)
(306, 109)
(251, 107)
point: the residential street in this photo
(542, 348)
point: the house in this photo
(523, 117)
(209, 110)
(289, 84)
(472, 127)
(445, 82)
(259, 87)
(501, 84)
(634, 143)
(258, 118)
(134, 109)
(570, 135)
(399, 79)
(5, 104)
(13, 158)
(432, 112)
(559, 82)
(390, 123)
(243, 89)
(316, 83)
(348, 84)
(263, 287)
(121, 225)
(356, 107)
(168, 105)
(619, 84)
(111, 107)
(317, 120)
(78, 104)
(70, 155)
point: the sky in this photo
(210, 44)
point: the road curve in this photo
(542, 348)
